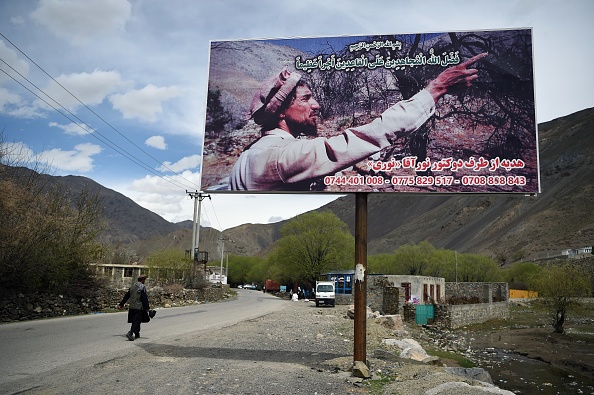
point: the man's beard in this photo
(302, 129)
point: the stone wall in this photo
(381, 296)
(393, 302)
(375, 291)
(22, 307)
(457, 316)
(481, 292)
(344, 299)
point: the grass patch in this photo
(376, 386)
(461, 360)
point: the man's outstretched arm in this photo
(450, 77)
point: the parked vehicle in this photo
(325, 293)
(272, 286)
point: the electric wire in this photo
(103, 139)
(88, 108)
(215, 214)
(96, 133)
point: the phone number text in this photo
(425, 180)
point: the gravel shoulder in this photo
(300, 349)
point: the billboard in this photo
(448, 112)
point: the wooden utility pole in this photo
(360, 284)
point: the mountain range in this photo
(502, 226)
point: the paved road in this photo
(34, 347)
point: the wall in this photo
(457, 316)
(481, 292)
(417, 284)
(21, 307)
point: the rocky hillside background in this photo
(562, 216)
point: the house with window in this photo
(120, 275)
(417, 289)
(577, 252)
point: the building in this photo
(120, 275)
(417, 289)
(580, 252)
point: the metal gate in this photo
(424, 313)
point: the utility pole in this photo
(198, 197)
(222, 239)
(359, 280)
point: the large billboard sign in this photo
(422, 113)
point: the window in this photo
(406, 287)
(128, 272)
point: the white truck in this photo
(325, 293)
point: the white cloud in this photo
(143, 104)
(163, 197)
(77, 129)
(79, 21)
(10, 60)
(16, 154)
(17, 20)
(187, 163)
(167, 185)
(8, 98)
(89, 88)
(78, 160)
(13, 105)
(156, 142)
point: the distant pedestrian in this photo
(138, 306)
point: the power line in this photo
(215, 214)
(127, 155)
(103, 139)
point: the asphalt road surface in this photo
(32, 348)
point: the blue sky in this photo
(136, 73)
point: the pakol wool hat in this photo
(272, 95)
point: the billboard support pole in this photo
(360, 325)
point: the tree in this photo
(382, 264)
(477, 268)
(560, 288)
(242, 269)
(48, 235)
(169, 264)
(415, 258)
(314, 243)
(217, 117)
(521, 274)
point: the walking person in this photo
(138, 305)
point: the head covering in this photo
(142, 276)
(271, 96)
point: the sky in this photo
(115, 90)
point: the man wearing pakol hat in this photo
(138, 305)
(286, 109)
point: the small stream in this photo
(522, 375)
(513, 371)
